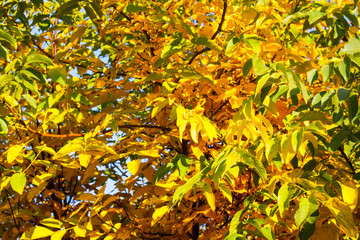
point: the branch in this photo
(125, 16)
(77, 134)
(197, 54)
(144, 126)
(347, 160)
(213, 36)
(12, 213)
(221, 21)
(222, 105)
(36, 132)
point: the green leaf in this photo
(309, 227)
(344, 68)
(338, 139)
(326, 71)
(162, 171)
(67, 7)
(351, 47)
(300, 84)
(231, 45)
(38, 58)
(3, 126)
(30, 100)
(58, 75)
(175, 46)
(327, 97)
(259, 66)
(45, 24)
(77, 34)
(314, 116)
(307, 206)
(312, 76)
(204, 41)
(17, 182)
(209, 195)
(93, 10)
(353, 106)
(317, 99)
(4, 53)
(337, 115)
(315, 16)
(182, 190)
(183, 164)
(36, 233)
(297, 138)
(262, 82)
(7, 38)
(226, 191)
(254, 163)
(134, 7)
(77, 97)
(235, 221)
(247, 67)
(284, 196)
(343, 93)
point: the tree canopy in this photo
(214, 119)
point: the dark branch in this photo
(347, 160)
(144, 126)
(218, 30)
(221, 21)
(12, 212)
(197, 54)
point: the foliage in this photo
(214, 119)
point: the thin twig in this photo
(12, 212)
(347, 160)
(221, 21)
(144, 126)
(218, 30)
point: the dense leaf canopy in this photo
(179, 119)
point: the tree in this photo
(214, 118)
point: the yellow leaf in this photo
(73, 146)
(95, 235)
(80, 231)
(158, 214)
(344, 217)
(47, 149)
(226, 191)
(272, 47)
(160, 104)
(261, 130)
(272, 184)
(36, 233)
(209, 195)
(14, 152)
(54, 223)
(194, 130)
(181, 120)
(133, 166)
(349, 193)
(84, 160)
(149, 153)
(210, 129)
(110, 236)
(58, 235)
(87, 197)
